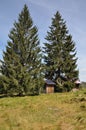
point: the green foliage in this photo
(60, 53)
(68, 86)
(21, 65)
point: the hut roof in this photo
(50, 82)
(77, 82)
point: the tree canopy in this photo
(60, 53)
(21, 65)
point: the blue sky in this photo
(72, 11)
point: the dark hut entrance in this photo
(77, 84)
(50, 85)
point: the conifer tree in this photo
(22, 59)
(60, 53)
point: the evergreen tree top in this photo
(22, 58)
(60, 58)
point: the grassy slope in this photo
(66, 111)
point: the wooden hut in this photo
(77, 84)
(49, 86)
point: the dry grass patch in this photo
(60, 111)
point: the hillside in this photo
(59, 111)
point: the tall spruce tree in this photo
(22, 58)
(60, 54)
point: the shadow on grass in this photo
(18, 95)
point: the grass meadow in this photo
(58, 111)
